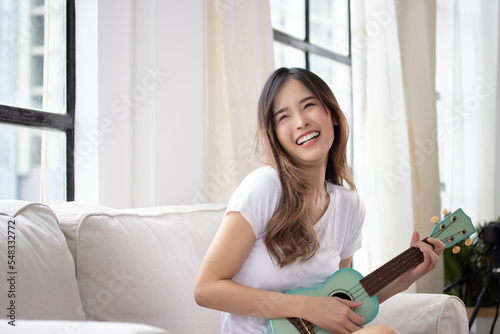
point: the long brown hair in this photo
(290, 234)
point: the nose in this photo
(301, 121)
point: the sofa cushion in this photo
(78, 327)
(140, 265)
(429, 313)
(41, 282)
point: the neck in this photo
(315, 177)
(318, 197)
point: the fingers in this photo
(351, 315)
(431, 250)
(415, 237)
(435, 246)
(356, 319)
(350, 303)
(340, 317)
(439, 246)
(430, 258)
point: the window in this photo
(37, 89)
(315, 34)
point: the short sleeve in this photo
(257, 197)
(354, 235)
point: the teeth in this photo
(308, 137)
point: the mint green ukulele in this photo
(349, 284)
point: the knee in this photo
(383, 329)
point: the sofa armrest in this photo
(419, 313)
(77, 327)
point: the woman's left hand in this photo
(431, 257)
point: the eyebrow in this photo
(286, 108)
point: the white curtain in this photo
(395, 144)
(467, 81)
(239, 57)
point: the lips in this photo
(306, 138)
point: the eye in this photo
(278, 118)
(282, 117)
(309, 104)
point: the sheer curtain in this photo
(395, 144)
(398, 48)
(467, 73)
(238, 51)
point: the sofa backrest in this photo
(38, 275)
(140, 265)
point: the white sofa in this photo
(87, 269)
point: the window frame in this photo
(52, 121)
(307, 47)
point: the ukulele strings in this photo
(450, 238)
(441, 231)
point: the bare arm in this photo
(346, 263)
(214, 286)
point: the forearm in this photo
(391, 290)
(332, 314)
(229, 296)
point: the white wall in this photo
(139, 108)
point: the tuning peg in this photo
(456, 249)
(434, 220)
(468, 242)
(446, 213)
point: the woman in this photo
(292, 224)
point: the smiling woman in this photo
(305, 105)
(292, 223)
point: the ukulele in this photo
(349, 284)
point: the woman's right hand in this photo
(333, 314)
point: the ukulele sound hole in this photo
(341, 295)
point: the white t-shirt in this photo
(338, 232)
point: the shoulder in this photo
(262, 179)
(263, 174)
(257, 197)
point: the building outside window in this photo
(36, 100)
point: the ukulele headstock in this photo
(454, 228)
